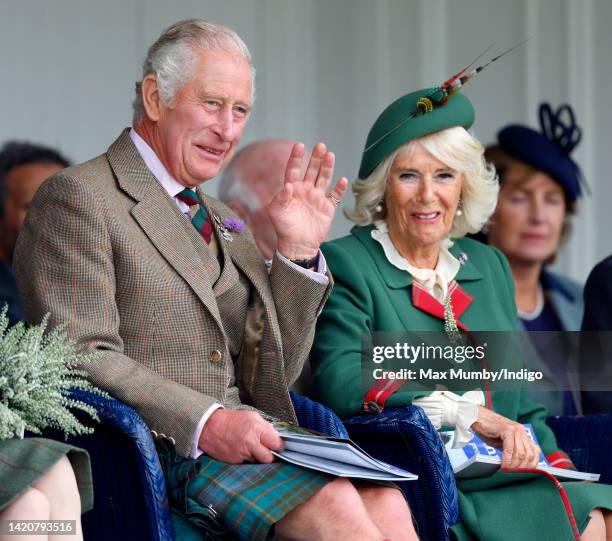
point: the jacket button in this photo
(215, 356)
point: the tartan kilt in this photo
(235, 501)
(24, 461)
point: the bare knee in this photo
(334, 512)
(60, 488)
(596, 528)
(337, 500)
(388, 509)
(31, 505)
(385, 498)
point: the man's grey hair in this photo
(172, 57)
(233, 188)
(456, 148)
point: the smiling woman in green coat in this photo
(423, 181)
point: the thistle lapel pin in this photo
(227, 226)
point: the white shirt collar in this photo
(434, 281)
(155, 165)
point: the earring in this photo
(459, 211)
(379, 208)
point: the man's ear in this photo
(151, 98)
(241, 211)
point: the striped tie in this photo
(200, 220)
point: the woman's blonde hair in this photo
(459, 150)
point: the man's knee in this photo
(381, 497)
(337, 499)
(336, 505)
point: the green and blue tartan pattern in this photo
(243, 500)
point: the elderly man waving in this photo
(170, 288)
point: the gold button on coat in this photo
(215, 356)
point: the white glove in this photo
(445, 408)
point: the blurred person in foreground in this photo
(406, 266)
(24, 167)
(167, 284)
(42, 480)
(249, 183)
(539, 190)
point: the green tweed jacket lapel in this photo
(155, 212)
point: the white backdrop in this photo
(325, 70)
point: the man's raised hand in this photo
(303, 210)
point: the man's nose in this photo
(225, 125)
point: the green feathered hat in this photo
(411, 116)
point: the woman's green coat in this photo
(371, 295)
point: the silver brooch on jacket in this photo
(221, 229)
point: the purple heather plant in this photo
(234, 224)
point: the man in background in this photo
(23, 168)
(250, 181)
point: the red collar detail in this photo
(460, 300)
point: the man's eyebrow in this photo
(204, 95)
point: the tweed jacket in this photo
(108, 252)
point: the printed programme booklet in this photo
(477, 459)
(336, 456)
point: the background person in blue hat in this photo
(539, 187)
(406, 266)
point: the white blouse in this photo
(442, 407)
